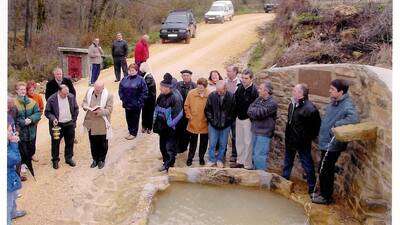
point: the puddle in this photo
(195, 204)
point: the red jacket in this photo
(141, 51)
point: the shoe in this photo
(321, 200)
(210, 164)
(220, 164)
(75, 141)
(55, 165)
(101, 164)
(130, 137)
(94, 164)
(148, 131)
(116, 80)
(70, 162)
(163, 168)
(144, 130)
(232, 159)
(202, 162)
(237, 165)
(23, 178)
(19, 213)
(188, 162)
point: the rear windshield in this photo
(217, 8)
(176, 19)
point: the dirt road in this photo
(86, 196)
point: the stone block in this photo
(356, 132)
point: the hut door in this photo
(75, 67)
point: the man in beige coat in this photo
(98, 104)
(194, 110)
(95, 51)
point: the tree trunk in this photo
(41, 14)
(28, 24)
(92, 12)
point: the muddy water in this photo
(194, 204)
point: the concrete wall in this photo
(364, 184)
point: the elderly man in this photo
(62, 111)
(262, 113)
(142, 50)
(53, 85)
(168, 112)
(245, 94)
(95, 51)
(184, 87)
(98, 104)
(301, 128)
(232, 81)
(119, 52)
(220, 114)
(341, 111)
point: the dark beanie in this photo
(187, 71)
(340, 85)
(167, 80)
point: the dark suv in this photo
(179, 25)
(270, 6)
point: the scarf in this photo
(103, 101)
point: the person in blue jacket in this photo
(132, 92)
(13, 180)
(341, 111)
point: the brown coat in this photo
(96, 124)
(194, 110)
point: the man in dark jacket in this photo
(220, 114)
(341, 111)
(301, 128)
(62, 111)
(168, 112)
(184, 87)
(132, 92)
(245, 94)
(262, 113)
(54, 85)
(119, 51)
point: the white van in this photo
(220, 11)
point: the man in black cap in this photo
(341, 111)
(184, 87)
(167, 114)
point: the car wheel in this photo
(187, 40)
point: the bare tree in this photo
(41, 14)
(28, 24)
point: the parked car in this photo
(269, 7)
(179, 25)
(220, 11)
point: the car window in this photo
(176, 19)
(217, 8)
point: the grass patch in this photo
(256, 63)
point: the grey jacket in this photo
(337, 113)
(263, 113)
(95, 54)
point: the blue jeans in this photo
(306, 162)
(95, 73)
(11, 205)
(260, 151)
(219, 137)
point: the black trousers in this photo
(147, 114)
(26, 150)
(98, 147)
(183, 135)
(68, 133)
(168, 148)
(120, 62)
(132, 119)
(306, 162)
(193, 145)
(327, 175)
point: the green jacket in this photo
(27, 108)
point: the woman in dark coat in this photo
(150, 101)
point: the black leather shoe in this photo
(321, 200)
(188, 162)
(70, 162)
(163, 168)
(237, 165)
(94, 164)
(101, 164)
(202, 162)
(55, 165)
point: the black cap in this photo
(167, 80)
(187, 71)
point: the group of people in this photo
(211, 110)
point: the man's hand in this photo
(98, 112)
(14, 138)
(28, 121)
(55, 122)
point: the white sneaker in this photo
(130, 137)
(210, 164)
(220, 164)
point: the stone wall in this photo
(364, 179)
